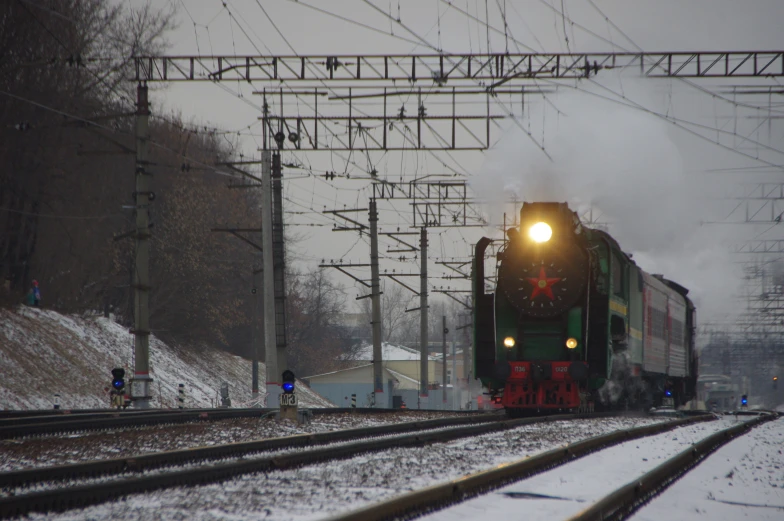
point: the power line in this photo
(509, 114)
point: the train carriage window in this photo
(617, 277)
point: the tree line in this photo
(67, 166)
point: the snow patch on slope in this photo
(43, 352)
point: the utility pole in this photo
(467, 340)
(254, 384)
(279, 261)
(268, 295)
(455, 401)
(444, 331)
(423, 358)
(375, 301)
(140, 383)
(374, 286)
(268, 285)
(254, 334)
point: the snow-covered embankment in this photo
(43, 352)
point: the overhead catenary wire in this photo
(640, 107)
(508, 113)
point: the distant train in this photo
(574, 323)
(718, 392)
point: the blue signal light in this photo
(667, 393)
(288, 386)
(744, 401)
(118, 378)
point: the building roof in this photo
(458, 354)
(403, 378)
(336, 372)
(389, 352)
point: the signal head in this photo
(288, 381)
(118, 378)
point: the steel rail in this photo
(630, 497)
(16, 415)
(121, 420)
(40, 417)
(12, 414)
(139, 463)
(438, 496)
(18, 427)
(90, 494)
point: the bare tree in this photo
(67, 175)
(394, 319)
(317, 342)
(58, 72)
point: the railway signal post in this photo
(118, 388)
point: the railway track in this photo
(75, 496)
(23, 426)
(622, 501)
(435, 497)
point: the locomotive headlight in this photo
(509, 342)
(540, 232)
(571, 343)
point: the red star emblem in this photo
(542, 285)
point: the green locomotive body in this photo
(574, 321)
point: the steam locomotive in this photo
(574, 323)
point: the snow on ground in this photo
(320, 490)
(43, 352)
(566, 490)
(742, 480)
(44, 451)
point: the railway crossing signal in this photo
(744, 401)
(775, 382)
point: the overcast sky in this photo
(649, 179)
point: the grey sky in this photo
(646, 175)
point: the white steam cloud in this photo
(627, 165)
